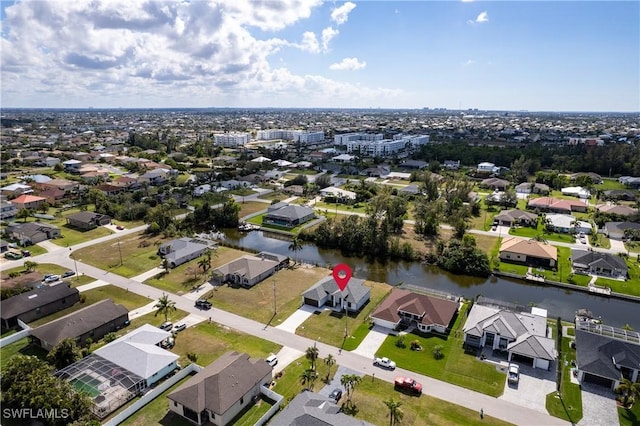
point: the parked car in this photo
(12, 255)
(168, 343)
(25, 253)
(407, 384)
(119, 227)
(203, 304)
(167, 325)
(68, 274)
(52, 279)
(272, 360)
(336, 394)
(384, 362)
(514, 374)
(179, 327)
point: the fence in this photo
(152, 394)
(431, 292)
(276, 406)
(26, 331)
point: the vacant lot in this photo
(138, 253)
(251, 207)
(50, 268)
(329, 326)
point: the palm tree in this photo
(349, 382)
(628, 389)
(308, 378)
(295, 246)
(165, 306)
(30, 266)
(205, 262)
(312, 356)
(395, 414)
(329, 361)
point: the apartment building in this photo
(231, 140)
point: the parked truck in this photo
(408, 384)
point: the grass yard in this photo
(50, 268)
(600, 240)
(139, 254)
(455, 367)
(274, 195)
(513, 268)
(329, 327)
(118, 295)
(570, 406)
(357, 208)
(251, 207)
(257, 220)
(22, 347)
(630, 286)
(210, 340)
(629, 417)
(371, 392)
(485, 242)
(256, 302)
(527, 232)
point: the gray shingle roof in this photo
(353, 293)
(595, 354)
(584, 258)
(312, 409)
(25, 302)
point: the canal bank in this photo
(559, 301)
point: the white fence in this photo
(276, 406)
(152, 394)
(26, 331)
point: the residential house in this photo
(615, 230)
(200, 190)
(495, 184)
(630, 182)
(126, 182)
(597, 263)
(528, 252)
(605, 360)
(282, 163)
(92, 322)
(221, 390)
(567, 224)
(451, 165)
(576, 191)
(72, 166)
(523, 335)
(311, 408)
(16, 189)
(619, 194)
(25, 201)
(428, 313)
(516, 217)
(412, 189)
(338, 194)
(155, 177)
(287, 215)
(327, 293)
(87, 220)
(294, 190)
(65, 185)
(37, 303)
(30, 233)
(595, 178)
(616, 209)
(108, 189)
(556, 205)
(414, 164)
(53, 196)
(532, 188)
(246, 270)
(487, 168)
(179, 251)
(7, 210)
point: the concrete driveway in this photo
(297, 318)
(617, 246)
(372, 342)
(598, 406)
(532, 390)
(286, 356)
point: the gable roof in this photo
(353, 293)
(433, 310)
(25, 302)
(596, 353)
(182, 247)
(222, 383)
(79, 322)
(584, 258)
(313, 409)
(529, 248)
(247, 266)
(516, 214)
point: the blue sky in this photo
(506, 55)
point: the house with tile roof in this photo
(427, 313)
(524, 336)
(327, 293)
(221, 390)
(556, 205)
(528, 252)
(26, 201)
(616, 209)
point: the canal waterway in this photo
(558, 301)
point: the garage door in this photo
(521, 359)
(311, 302)
(602, 381)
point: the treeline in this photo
(610, 159)
(461, 257)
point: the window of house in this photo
(242, 400)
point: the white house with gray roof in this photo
(524, 336)
(597, 263)
(327, 293)
(182, 250)
(246, 271)
(615, 230)
(287, 215)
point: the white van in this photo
(272, 360)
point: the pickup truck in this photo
(408, 384)
(384, 362)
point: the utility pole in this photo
(120, 251)
(275, 306)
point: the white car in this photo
(272, 360)
(384, 362)
(179, 327)
(514, 374)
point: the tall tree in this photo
(395, 414)
(329, 361)
(165, 306)
(308, 378)
(30, 266)
(312, 355)
(64, 353)
(628, 389)
(295, 246)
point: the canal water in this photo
(558, 301)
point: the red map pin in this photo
(342, 275)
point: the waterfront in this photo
(558, 301)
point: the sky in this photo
(490, 55)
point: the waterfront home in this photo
(528, 252)
(327, 293)
(597, 263)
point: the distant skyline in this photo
(501, 55)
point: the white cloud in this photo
(467, 1)
(469, 62)
(340, 15)
(172, 53)
(348, 64)
(482, 17)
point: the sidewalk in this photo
(149, 274)
(91, 286)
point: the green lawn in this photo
(274, 195)
(513, 268)
(257, 220)
(370, 394)
(50, 268)
(455, 367)
(329, 327)
(600, 240)
(118, 295)
(527, 232)
(629, 417)
(357, 208)
(569, 407)
(630, 286)
(22, 347)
